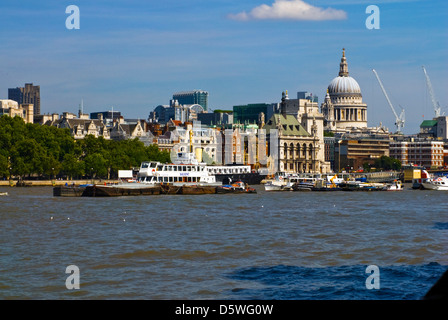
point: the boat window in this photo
(184, 168)
(153, 165)
(170, 179)
(159, 167)
(175, 168)
(144, 165)
(188, 168)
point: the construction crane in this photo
(399, 120)
(435, 103)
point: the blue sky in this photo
(133, 55)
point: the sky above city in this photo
(133, 55)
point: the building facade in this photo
(108, 117)
(30, 94)
(175, 111)
(80, 128)
(298, 144)
(215, 118)
(351, 153)
(437, 128)
(12, 109)
(421, 152)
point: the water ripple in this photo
(291, 245)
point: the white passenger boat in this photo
(437, 183)
(175, 174)
(186, 169)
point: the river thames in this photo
(269, 245)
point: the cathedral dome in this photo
(344, 84)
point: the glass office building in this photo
(192, 97)
(249, 113)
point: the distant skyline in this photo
(133, 55)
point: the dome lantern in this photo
(343, 67)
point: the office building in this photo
(421, 152)
(192, 97)
(29, 94)
(308, 96)
(250, 113)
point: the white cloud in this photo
(290, 10)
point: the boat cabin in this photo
(156, 172)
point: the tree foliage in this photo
(388, 163)
(47, 152)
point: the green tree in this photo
(33, 149)
(96, 165)
(4, 166)
(388, 163)
(72, 166)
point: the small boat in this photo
(237, 187)
(3, 193)
(394, 186)
(304, 185)
(361, 186)
(437, 183)
(273, 185)
(277, 183)
(189, 189)
(69, 190)
(293, 182)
